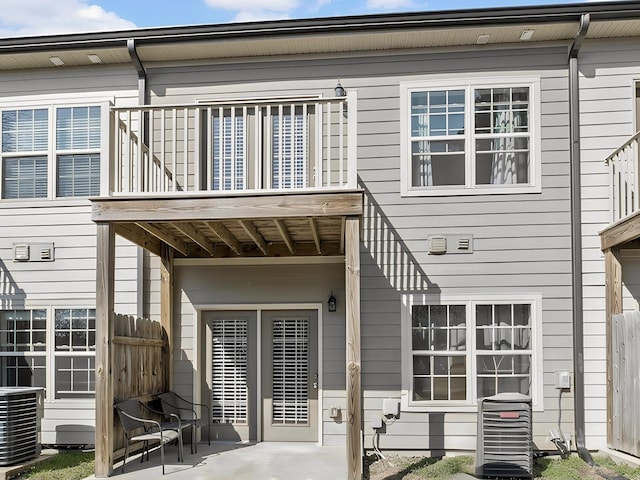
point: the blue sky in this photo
(41, 17)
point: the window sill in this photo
(43, 202)
(489, 190)
(446, 407)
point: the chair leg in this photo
(126, 444)
(209, 432)
(180, 448)
(162, 455)
(194, 445)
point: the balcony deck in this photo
(262, 178)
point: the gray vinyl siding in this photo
(607, 102)
(521, 241)
(70, 280)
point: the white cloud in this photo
(390, 4)
(255, 10)
(43, 17)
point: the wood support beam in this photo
(613, 289)
(191, 232)
(284, 233)
(165, 237)
(240, 207)
(226, 236)
(313, 224)
(105, 287)
(352, 294)
(166, 307)
(252, 231)
(342, 231)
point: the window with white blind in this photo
(78, 151)
(36, 164)
(261, 147)
(459, 351)
(25, 145)
(290, 373)
(229, 371)
(480, 136)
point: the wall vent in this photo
(505, 438)
(449, 243)
(33, 252)
(437, 245)
(21, 253)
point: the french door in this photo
(262, 374)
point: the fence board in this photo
(140, 359)
(626, 383)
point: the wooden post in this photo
(105, 284)
(352, 284)
(613, 289)
(166, 307)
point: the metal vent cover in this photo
(505, 438)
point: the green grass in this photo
(63, 466)
(547, 468)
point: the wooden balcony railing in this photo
(279, 145)
(623, 179)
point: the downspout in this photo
(142, 100)
(576, 240)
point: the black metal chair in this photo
(173, 405)
(137, 428)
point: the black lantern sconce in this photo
(332, 303)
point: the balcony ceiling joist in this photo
(284, 233)
(165, 237)
(252, 231)
(196, 236)
(226, 236)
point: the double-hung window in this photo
(25, 146)
(466, 138)
(463, 350)
(39, 161)
(75, 345)
(78, 151)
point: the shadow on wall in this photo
(11, 296)
(391, 272)
(389, 252)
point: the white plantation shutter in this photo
(229, 378)
(229, 148)
(25, 130)
(290, 371)
(290, 148)
(24, 177)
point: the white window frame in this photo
(50, 355)
(470, 301)
(52, 152)
(469, 85)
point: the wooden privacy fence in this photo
(626, 382)
(140, 359)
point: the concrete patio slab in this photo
(241, 461)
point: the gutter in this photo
(569, 13)
(142, 72)
(576, 239)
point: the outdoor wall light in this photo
(339, 90)
(332, 303)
